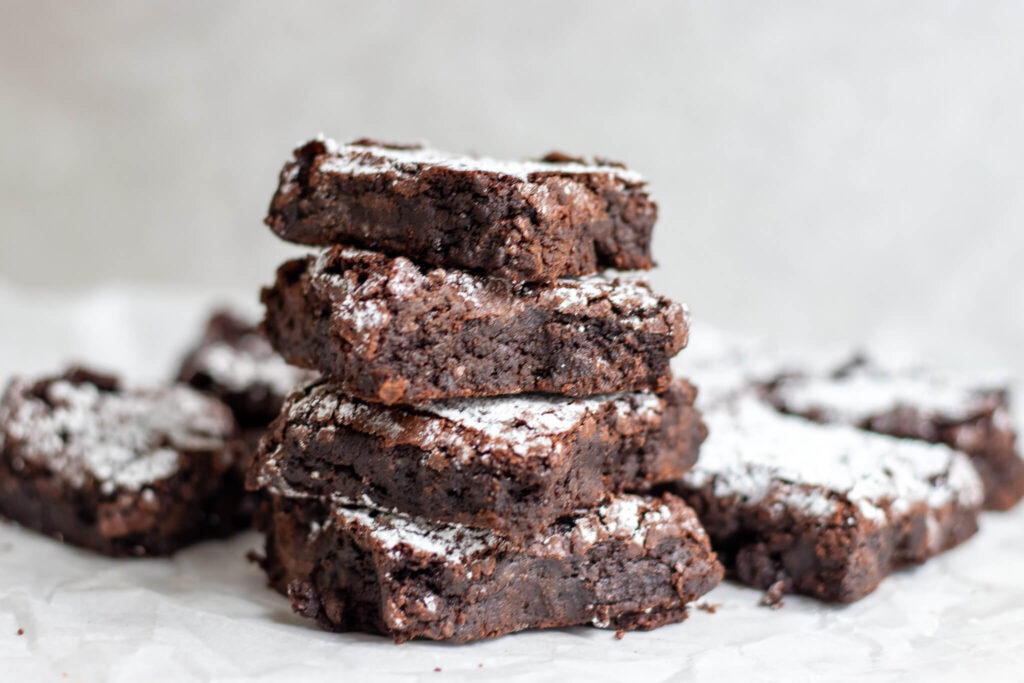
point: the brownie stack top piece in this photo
(389, 331)
(525, 222)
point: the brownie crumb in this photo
(437, 669)
(21, 631)
(709, 607)
(773, 596)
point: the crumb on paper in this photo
(773, 596)
(437, 669)
(620, 634)
(21, 631)
(709, 607)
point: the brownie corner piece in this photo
(510, 463)
(524, 221)
(633, 563)
(391, 331)
(825, 510)
(914, 403)
(122, 471)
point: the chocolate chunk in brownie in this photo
(389, 331)
(633, 563)
(828, 510)
(123, 471)
(915, 404)
(512, 463)
(234, 362)
(527, 222)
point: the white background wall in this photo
(826, 171)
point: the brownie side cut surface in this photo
(527, 222)
(120, 471)
(390, 331)
(634, 563)
(512, 463)
(914, 404)
(828, 511)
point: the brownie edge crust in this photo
(635, 563)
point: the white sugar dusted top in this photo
(867, 391)
(372, 159)
(251, 362)
(759, 454)
(625, 518)
(360, 301)
(124, 439)
(393, 531)
(528, 425)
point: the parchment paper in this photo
(206, 615)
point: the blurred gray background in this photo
(826, 171)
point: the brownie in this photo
(234, 362)
(389, 331)
(527, 222)
(123, 471)
(824, 510)
(915, 404)
(513, 463)
(633, 563)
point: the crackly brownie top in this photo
(401, 161)
(528, 427)
(234, 357)
(762, 456)
(862, 389)
(83, 425)
(636, 520)
(369, 289)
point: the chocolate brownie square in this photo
(915, 404)
(824, 510)
(123, 471)
(527, 222)
(633, 563)
(389, 331)
(234, 362)
(513, 463)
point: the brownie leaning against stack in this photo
(425, 487)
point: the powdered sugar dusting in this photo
(251, 362)
(359, 298)
(625, 518)
(756, 453)
(866, 391)
(372, 160)
(124, 439)
(528, 425)
(397, 534)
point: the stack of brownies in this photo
(494, 409)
